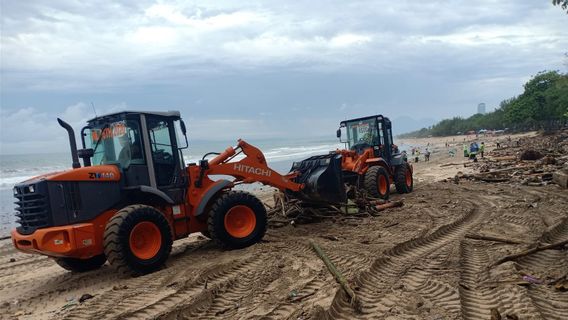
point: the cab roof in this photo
(364, 118)
(173, 114)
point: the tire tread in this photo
(370, 182)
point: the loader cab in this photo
(369, 132)
(144, 146)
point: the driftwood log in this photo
(495, 239)
(392, 204)
(453, 164)
(531, 251)
(337, 275)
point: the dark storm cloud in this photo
(272, 66)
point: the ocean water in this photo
(280, 154)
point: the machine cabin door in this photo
(166, 158)
(387, 136)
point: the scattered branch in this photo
(338, 276)
(528, 252)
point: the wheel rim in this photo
(383, 185)
(240, 221)
(145, 240)
(408, 178)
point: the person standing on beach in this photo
(482, 148)
(465, 153)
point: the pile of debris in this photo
(288, 210)
(533, 161)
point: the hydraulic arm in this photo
(251, 168)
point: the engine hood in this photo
(95, 173)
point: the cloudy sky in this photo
(265, 69)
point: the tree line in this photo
(542, 105)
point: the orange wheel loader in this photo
(370, 162)
(134, 196)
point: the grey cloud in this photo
(291, 61)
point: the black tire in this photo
(400, 182)
(371, 182)
(220, 208)
(117, 244)
(81, 265)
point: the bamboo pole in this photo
(337, 274)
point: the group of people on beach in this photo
(474, 149)
(416, 153)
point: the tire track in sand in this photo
(33, 261)
(150, 295)
(551, 303)
(287, 308)
(371, 285)
(198, 294)
(440, 294)
(477, 297)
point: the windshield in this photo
(362, 132)
(117, 143)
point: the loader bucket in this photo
(322, 179)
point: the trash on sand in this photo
(123, 287)
(561, 286)
(85, 297)
(69, 304)
(19, 313)
(293, 294)
(532, 279)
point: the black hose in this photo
(210, 153)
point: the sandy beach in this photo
(425, 260)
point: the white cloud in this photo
(349, 39)
(174, 15)
(491, 35)
(134, 41)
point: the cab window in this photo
(362, 133)
(162, 150)
(117, 143)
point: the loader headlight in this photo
(31, 189)
(15, 191)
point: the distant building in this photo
(481, 108)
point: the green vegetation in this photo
(562, 3)
(542, 105)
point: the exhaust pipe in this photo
(72, 143)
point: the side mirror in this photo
(339, 133)
(86, 155)
(184, 131)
